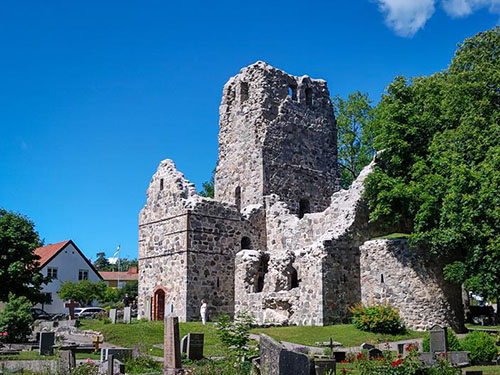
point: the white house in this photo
(64, 262)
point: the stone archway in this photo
(159, 297)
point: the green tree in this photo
(440, 170)
(16, 319)
(102, 263)
(19, 268)
(208, 187)
(83, 292)
(354, 117)
(130, 288)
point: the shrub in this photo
(142, 364)
(379, 318)
(16, 319)
(481, 346)
(453, 343)
(234, 334)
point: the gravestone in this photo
(71, 307)
(366, 346)
(438, 339)
(184, 344)
(120, 353)
(401, 349)
(195, 346)
(275, 359)
(169, 310)
(112, 315)
(171, 346)
(127, 315)
(375, 353)
(111, 365)
(47, 340)
(66, 361)
(325, 366)
(339, 356)
(147, 309)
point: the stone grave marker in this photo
(121, 354)
(169, 310)
(111, 365)
(71, 307)
(195, 346)
(47, 340)
(438, 339)
(184, 344)
(366, 346)
(112, 315)
(147, 309)
(127, 315)
(375, 353)
(66, 361)
(275, 359)
(171, 346)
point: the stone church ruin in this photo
(281, 239)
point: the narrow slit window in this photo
(309, 99)
(381, 278)
(237, 197)
(244, 91)
(304, 207)
(161, 184)
(292, 92)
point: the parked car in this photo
(88, 312)
(39, 314)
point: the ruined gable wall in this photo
(163, 238)
(408, 279)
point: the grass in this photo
(392, 236)
(490, 370)
(33, 355)
(144, 335)
(346, 334)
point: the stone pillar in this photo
(172, 349)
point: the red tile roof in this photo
(48, 252)
(131, 274)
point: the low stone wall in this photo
(413, 282)
(42, 367)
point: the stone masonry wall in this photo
(406, 278)
(277, 136)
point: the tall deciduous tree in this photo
(19, 268)
(441, 164)
(354, 117)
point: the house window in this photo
(83, 274)
(52, 272)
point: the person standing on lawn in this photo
(203, 311)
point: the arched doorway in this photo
(159, 304)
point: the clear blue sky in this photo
(93, 94)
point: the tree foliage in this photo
(83, 292)
(440, 173)
(354, 117)
(208, 187)
(19, 268)
(16, 319)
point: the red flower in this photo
(344, 361)
(396, 363)
(359, 356)
(399, 355)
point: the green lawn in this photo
(143, 335)
(33, 355)
(346, 334)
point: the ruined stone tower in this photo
(277, 136)
(280, 239)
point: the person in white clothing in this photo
(203, 311)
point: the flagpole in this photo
(118, 270)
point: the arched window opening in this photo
(292, 92)
(381, 278)
(304, 207)
(309, 99)
(218, 282)
(243, 91)
(293, 279)
(161, 184)
(261, 274)
(237, 197)
(246, 243)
